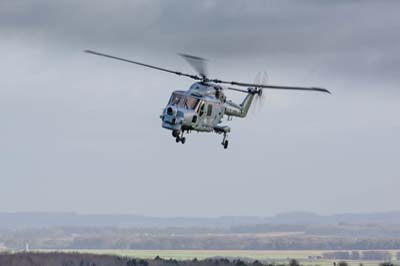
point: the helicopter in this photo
(203, 106)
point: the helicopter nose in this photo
(172, 118)
(171, 110)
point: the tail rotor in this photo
(261, 78)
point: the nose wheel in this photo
(179, 137)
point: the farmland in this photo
(279, 256)
(90, 259)
(247, 239)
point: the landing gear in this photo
(223, 130)
(225, 142)
(179, 137)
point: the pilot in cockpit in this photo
(191, 102)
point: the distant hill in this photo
(37, 219)
(350, 218)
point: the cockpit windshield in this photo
(188, 102)
(175, 99)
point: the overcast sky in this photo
(82, 133)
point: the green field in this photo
(262, 255)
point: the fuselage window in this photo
(209, 110)
(201, 109)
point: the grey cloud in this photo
(220, 26)
(83, 134)
(357, 37)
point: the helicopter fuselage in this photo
(201, 108)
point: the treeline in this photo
(341, 229)
(207, 242)
(266, 237)
(234, 242)
(77, 259)
(361, 255)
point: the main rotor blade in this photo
(269, 86)
(198, 63)
(145, 65)
(236, 89)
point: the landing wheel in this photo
(226, 142)
(177, 139)
(183, 140)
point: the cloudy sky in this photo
(82, 133)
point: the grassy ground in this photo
(262, 255)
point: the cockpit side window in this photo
(191, 102)
(201, 108)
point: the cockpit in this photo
(186, 101)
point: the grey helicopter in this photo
(202, 107)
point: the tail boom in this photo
(241, 110)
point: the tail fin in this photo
(246, 104)
(242, 109)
